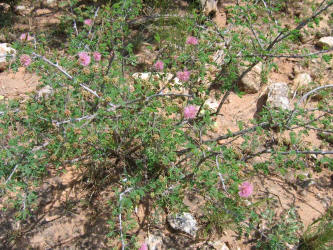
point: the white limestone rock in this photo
(278, 96)
(155, 242)
(45, 92)
(252, 80)
(184, 222)
(302, 82)
(209, 6)
(23, 10)
(325, 42)
(6, 52)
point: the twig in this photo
(267, 151)
(280, 37)
(65, 73)
(14, 111)
(74, 23)
(219, 173)
(86, 117)
(54, 65)
(40, 147)
(11, 174)
(120, 220)
(253, 32)
(289, 56)
(313, 91)
(304, 152)
(95, 15)
(306, 95)
(241, 132)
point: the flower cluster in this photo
(97, 56)
(246, 189)
(88, 22)
(84, 58)
(25, 60)
(184, 76)
(159, 66)
(190, 112)
(192, 40)
(144, 246)
(26, 37)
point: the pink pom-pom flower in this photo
(190, 112)
(144, 246)
(84, 58)
(246, 189)
(192, 40)
(159, 66)
(26, 37)
(88, 22)
(97, 56)
(184, 76)
(25, 60)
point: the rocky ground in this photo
(65, 221)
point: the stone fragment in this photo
(252, 80)
(45, 92)
(219, 55)
(165, 77)
(212, 103)
(4, 7)
(218, 245)
(2, 38)
(302, 82)
(325, 42)
(23, 10)
(184, 222)
(6, 51)
(155, 242)
(278, 96)
(209, 6)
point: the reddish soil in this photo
(65, 220)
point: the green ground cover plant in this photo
(152, 140)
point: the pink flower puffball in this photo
(190, 112)
(159, 66)
(184, 76)
(26, 37)
(97, 56)
(246, 189)
(84, 58)
(25, 60)
(192, 40)
(88, 22)
(143, 246)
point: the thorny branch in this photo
(119, 216)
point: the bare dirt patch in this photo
(17, 84)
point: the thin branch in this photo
(11, 174)
(280, 37)
(120, 220)
(306, 95)
(253, 32)
(305, 152)
(288, 56)
(54, 65)
(95, 16)
(219, 173)
(86, 117)
(312, 92)
(65, 73)
(74, 23)
(241, 132)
